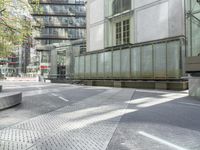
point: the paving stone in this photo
(86, 125)
(18, 135)
(8, 145)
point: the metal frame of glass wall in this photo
(193, 26)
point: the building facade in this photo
(17, 62)
(63, 21)
(193, 27)
(134, 40)
(119, 22)
(62, 59)
(193, 35)
(10, 64)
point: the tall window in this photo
(122, 32)
(118, 33)
(126, 31)
(119, 6)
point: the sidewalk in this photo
(88, 124)
(116, 119)
(24, 79)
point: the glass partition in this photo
(160, 59)
(116, 63)
(100, 66)
(147, 61)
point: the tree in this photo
(16, 23)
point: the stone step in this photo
(10, 99)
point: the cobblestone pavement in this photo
(99, 118)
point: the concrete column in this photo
(68, 62)
(53, 71)
(194, 86)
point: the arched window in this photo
(119, 6)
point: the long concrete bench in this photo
(10, 99)
(193, 64)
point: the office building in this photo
(63, 21)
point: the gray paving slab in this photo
(98, 118)
(88, 124)
(38, 99)
(9, 145)
(168, 125)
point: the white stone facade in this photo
(149, 20)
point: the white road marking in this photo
(63, 99)
(191, 104)
(161, 141)
(54, 94)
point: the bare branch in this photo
(2, 10)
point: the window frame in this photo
(122, 32)
(119, 6)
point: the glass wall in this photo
(64, 1)
(66, 9)
(62, 21)
(193, 27)
(69, 21)
(159, 61)
(63, 33)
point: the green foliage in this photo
(16, 24)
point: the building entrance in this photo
(61, 70)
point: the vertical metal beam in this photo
(191, 46)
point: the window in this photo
(126, 5)
(126, 31)
(118, 33)
(119, 6)
(123, 32)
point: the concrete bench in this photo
(9, 99)
(193, 64)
